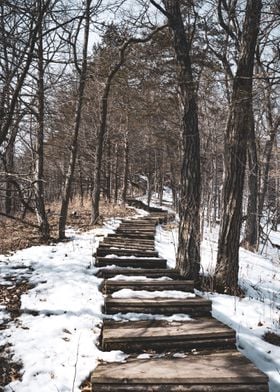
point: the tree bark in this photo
(251, 237)
(237, 133)
(126, 167)
(188, 255)
(39, 190)
(66, 191)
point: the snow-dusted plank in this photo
(131, 262)
(108, 273)
(126, 252)
(140, 236)
(125, 245)
(116, 238)
(182, 285)
(198, 373)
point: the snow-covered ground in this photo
(56, 336)
(252, 316)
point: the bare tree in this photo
(188, 256)
(77, 121)
(237, 134)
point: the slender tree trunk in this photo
(39, 188)
(251, 237)
(9, 168)
(116, 173)
(188, 256)
(81, 185)
(237, 133)
(66, 191)
(126, 167)
(36, 23)
(276, 215)
(267, 159)
(108, 173)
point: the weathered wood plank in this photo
(229, 369)
(167, 306)
(150, 273)
(125, 252)
(146, 263)
(183, 285)
(139, 237)
(163, 336)
(126, 246)
(179, 388)
(118, 238)
(135, 233)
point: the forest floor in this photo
(52, 316)
(17, 235)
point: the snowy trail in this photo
(58, 345)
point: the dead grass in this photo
(272, 338)
(16, 235)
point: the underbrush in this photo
(16, 235)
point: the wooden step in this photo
(107, 273)
(117, 238)
(197, 306)
(131, 262)
(135, 231)
(220, 372)
(123, 252)
(112, 246)
(144, 221)
(110, 286)
(163, 336)
(141, 225)
(136, 236)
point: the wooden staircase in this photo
(207, 359)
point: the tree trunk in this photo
(188, 255)
(66, 191)
(126, 167)
(267, 159)
(251, 237)
(39, 188)
(9, 168)
(237, 133)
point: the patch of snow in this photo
(147, 316)
(139, 278)
(128, 293)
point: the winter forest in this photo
(111, 110)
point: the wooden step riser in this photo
(149, 273)
(165, 345)
(197, 311)
(123, 232)
(122, 252)
(178, 388)
(126, 240)
(112, 286)
(133, 263)
(127, 247)
(137, 227)
(140, 226)
(138, 237)
(147, 221)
